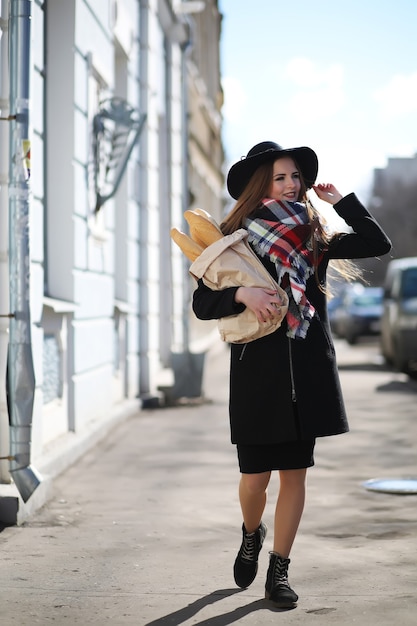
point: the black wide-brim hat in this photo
(241, 172)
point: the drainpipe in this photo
(185, 52)
(4, 243)
(20, 371)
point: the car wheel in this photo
(351, 339)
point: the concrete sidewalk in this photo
(144, 529)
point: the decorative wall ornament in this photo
(116, 129)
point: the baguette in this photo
(190, 248)
(194, 231)
(208, 217)
(202, 230)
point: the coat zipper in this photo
(293, 393)
(243, 351)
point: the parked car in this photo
(399, 317)
(360, 313)
(335, 303)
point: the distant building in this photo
(206, 154)
(393, 203)
(399, 171)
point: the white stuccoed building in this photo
(109, 292)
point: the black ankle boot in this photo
(246, 564)
(277, 588)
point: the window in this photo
(410, 283)
(52, 383)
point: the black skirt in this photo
(279, 456)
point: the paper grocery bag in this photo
(230, 262)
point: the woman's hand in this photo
(327, 192)
(265, 303)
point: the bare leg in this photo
(289, 509)
(252, 495)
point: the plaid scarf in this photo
(286, 241)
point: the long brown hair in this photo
(250, 199)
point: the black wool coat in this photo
(283, 389)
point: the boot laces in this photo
(280, 576)
(249, 547)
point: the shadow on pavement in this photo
(402, 386)
(362, 367)
(408, 385)
(182, 615)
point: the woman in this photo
(284, 387)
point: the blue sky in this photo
(340, 77)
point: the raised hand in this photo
(327, 192)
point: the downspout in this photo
(4, 243)
(185, 51)
(20, 371)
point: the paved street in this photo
(144, 529)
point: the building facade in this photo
(125, 114)
(393, 203)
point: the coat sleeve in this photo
(209, 304)
(367, 240)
